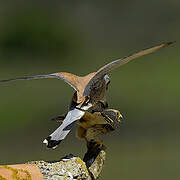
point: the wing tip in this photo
(6, 80)
(51, 143)
(168, 43)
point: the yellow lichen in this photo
(65, 178)
(82, 163)
(2, 178)
(15, 172)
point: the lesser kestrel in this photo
(90, 93)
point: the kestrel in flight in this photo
(90, 93)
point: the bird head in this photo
(114, 116)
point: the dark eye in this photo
(120, 117)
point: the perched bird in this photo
(90, 92)
(91, 125)
(96, 123)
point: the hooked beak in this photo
(120, 117)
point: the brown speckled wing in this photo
(119, 62)
(76, 82)
(69, 78)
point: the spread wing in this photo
(69, 78)
(119, 62)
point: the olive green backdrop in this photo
(40, 37)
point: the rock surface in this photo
(67, 168)
(71, 168)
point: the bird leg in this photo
(94, 145)
(93, 150)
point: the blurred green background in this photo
(40, 37)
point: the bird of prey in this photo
(90, 92)
(96, 123)
(91, 125)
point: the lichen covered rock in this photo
(65, 169)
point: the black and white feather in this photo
(62, 131)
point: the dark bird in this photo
(90, 93)
(91, 125)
